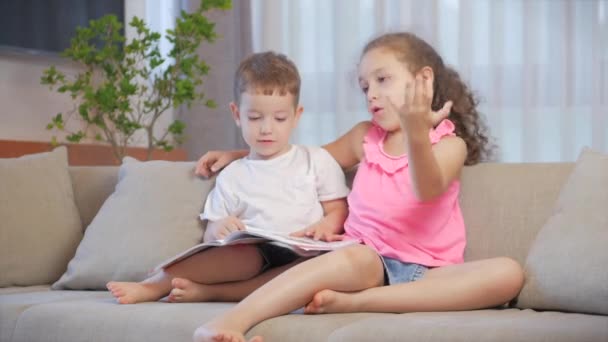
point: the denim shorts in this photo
(397, 271)
(275, 256)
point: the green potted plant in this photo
(122, 90)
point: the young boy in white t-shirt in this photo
(278, 186)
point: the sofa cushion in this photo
(102, 320)
(566, 266)
(40, 225)
(151, 215)
(12, 305)
(478, 325)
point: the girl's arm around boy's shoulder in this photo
(347, 150)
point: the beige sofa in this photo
(505, 206)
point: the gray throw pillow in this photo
(151, 216)
(566, 266)
(39, 222)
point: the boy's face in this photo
(266, 122)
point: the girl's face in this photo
(382, 77)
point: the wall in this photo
(212, 129)
(28, 106)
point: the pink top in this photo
(385, 214)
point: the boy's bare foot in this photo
(329, 301)
(209, 334)
(131, 293)
(187, 291)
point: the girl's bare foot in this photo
(329, 301)
(187, 291)
(210, 334)
(131, 293)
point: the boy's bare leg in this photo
(185, 291)
(352, 268)
(215, 265)
(469, 286)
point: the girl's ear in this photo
(236, 115)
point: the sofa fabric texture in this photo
(40, 224)
(151, 216)
(140, 213)
(566, 265)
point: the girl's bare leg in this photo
(469, 286)
(215, 265)
(349, 269)
(185, 290)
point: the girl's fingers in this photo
(299, 233)
(409, 95)
(335, 237)
(319, 235)
(307, 232)
(420, 92)
(202, 168)
(428, 88)
(442, 113)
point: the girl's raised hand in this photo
(416, 109)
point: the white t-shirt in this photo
(280, 194)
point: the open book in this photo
(303, 246)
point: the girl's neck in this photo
(395, 143)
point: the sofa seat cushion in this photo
(22, 289)
(298, 327)
(15, 301)
(102, 320)
(483, 325)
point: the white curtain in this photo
(539, 67)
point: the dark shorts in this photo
(275, 256)
(398, 272)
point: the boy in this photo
(278, 186)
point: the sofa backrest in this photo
(504, 205)
(92, 186)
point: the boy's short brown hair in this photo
(267, 72)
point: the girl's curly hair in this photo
(448, 85)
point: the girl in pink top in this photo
(403, 205)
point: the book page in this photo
(303, 246)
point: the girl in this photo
(403, 205)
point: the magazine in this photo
(303, 246)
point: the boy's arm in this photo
(331, 226)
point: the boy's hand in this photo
(213, 161)
(318, 232)
(226, 226)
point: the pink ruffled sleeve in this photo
(445, 128)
